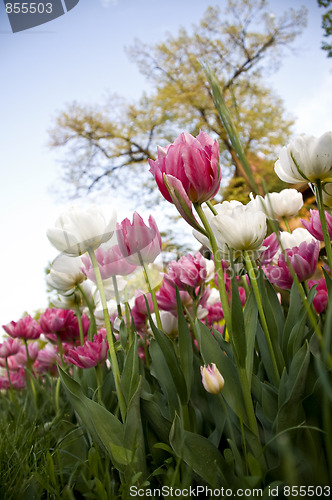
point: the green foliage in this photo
(327, 25)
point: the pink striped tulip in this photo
(137, 241)
(314, 225)
(26, 328)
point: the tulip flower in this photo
(90, 354)
(241, 229)
(9, 347)
(65, 274)
(187, 172)
(26, 328)
(212, 379)
(166, 298)
(314, 225)
(62, 323)
(111, 262)
(306, 158)
(303, 260)
(169, 323)
(321, 297)
(137, 241)
(79, 230)
(287, 203)
(192, 161)
(187, 273)
(47, 361)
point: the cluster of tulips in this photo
(101, 260)
(217, 354)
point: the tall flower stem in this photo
(219, 269)
(253, 280)
(327, 241)
(109, 333)
(93, 326)
(117, 296)
(80, 326)
(286, 224)
(151, 290)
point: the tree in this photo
(327, 25)
(240, 46)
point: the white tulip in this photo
(287, 203)
(78, 230)
(241, 229)
(65, 273)
(306, 158)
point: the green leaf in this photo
(238, 330)
(106, 430)
(172, 361)
(198, 453)
(185, 347)
(133, 433)
(160, 370)
(290, 398)
(130, 374)
(250, 320)
(227, 121)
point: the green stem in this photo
(219, 269)
(117, 296)
(228, 419)
(253, 281)
(211, 207)
(109, 333)
(80, 325)
(151, 290)
(93, 326)
(128, 324)
(99, 382)
(58, 339)
(327, 241)
(286, 225)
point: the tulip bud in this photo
(212, 379)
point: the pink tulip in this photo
(9, 347)
(303, 259)
(90, 354)
(110, 262)
(139, 310)
(321, 298)
(47, 361)
(192, 161)
(17, 380)
(21, 356)
(62, 322)
(271, 245)
(166, 298)
(187, 273)
(26, 328)
(187, 172)
(314, 225)
(137, 241)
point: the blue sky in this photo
(80, 56)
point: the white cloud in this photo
(314, 112)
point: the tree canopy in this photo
(327, 25)
(240, 45)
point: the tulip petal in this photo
(181, 201)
